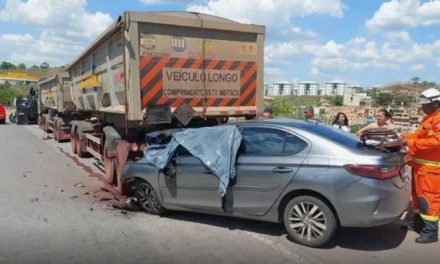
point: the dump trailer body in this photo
(56, 105)
(147, 65)
(149, 70)
(55, 93)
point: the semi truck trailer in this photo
(151, 71)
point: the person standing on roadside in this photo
(383, 119)
(267, 114)
(309, 114)
(341, 122)
(424, 159)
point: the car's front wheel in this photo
(147, 197)
(309, 221)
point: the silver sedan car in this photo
(306, 175)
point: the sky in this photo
(361, 42)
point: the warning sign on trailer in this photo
(184, 113)
(193, 83)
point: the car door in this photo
(191, 185)
(268, 160)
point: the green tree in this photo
(21, 66)
(404, 100)
(373, 92)
(384, 99)
(44, 65)
(415, 80)
(7, 66)
(338, 100)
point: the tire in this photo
(309, 221)
(45, 125)
(79, 150)
(73, 143)
(109, 166)
(55, 133)
(12, 118)
(147, 198)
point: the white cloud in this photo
(273, 73)
(64, 28)
(330, 49)
(281, 51)
(152, 2)
(276, 14)
(397, 15)
(298, 33)
(17, 39)
(418, 67)
(355, 54)
(330, 64)
(398, 37)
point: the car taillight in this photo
(373, 171)
(134, 147)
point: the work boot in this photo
(416, 225)
(425, 239)
(429, 233)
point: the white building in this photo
(354, 99)
(309, 88)
(335, 88)
(354, 89)
(280, 89)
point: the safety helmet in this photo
(430, 95)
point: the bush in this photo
(8, 93)
(355, 128)
(291, 106)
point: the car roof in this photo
(295, 123)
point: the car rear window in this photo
(336, 135)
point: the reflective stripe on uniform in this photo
(429, 218)
(427, 162)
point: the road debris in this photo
(130, 204)
(79, 185)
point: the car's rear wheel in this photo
(147, 197)
(309, 221)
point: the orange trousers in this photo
(426, 192)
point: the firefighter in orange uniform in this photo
(424, 154)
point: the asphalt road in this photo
(46, 216)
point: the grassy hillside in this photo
(292, 106)
(8, 92)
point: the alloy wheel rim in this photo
(308, 221)
(147, 199)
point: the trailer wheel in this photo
(73, 142)
(12, 118)
(121, 158)
(43, 124)
(55, 132)
(79, 148)
(109, 166)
